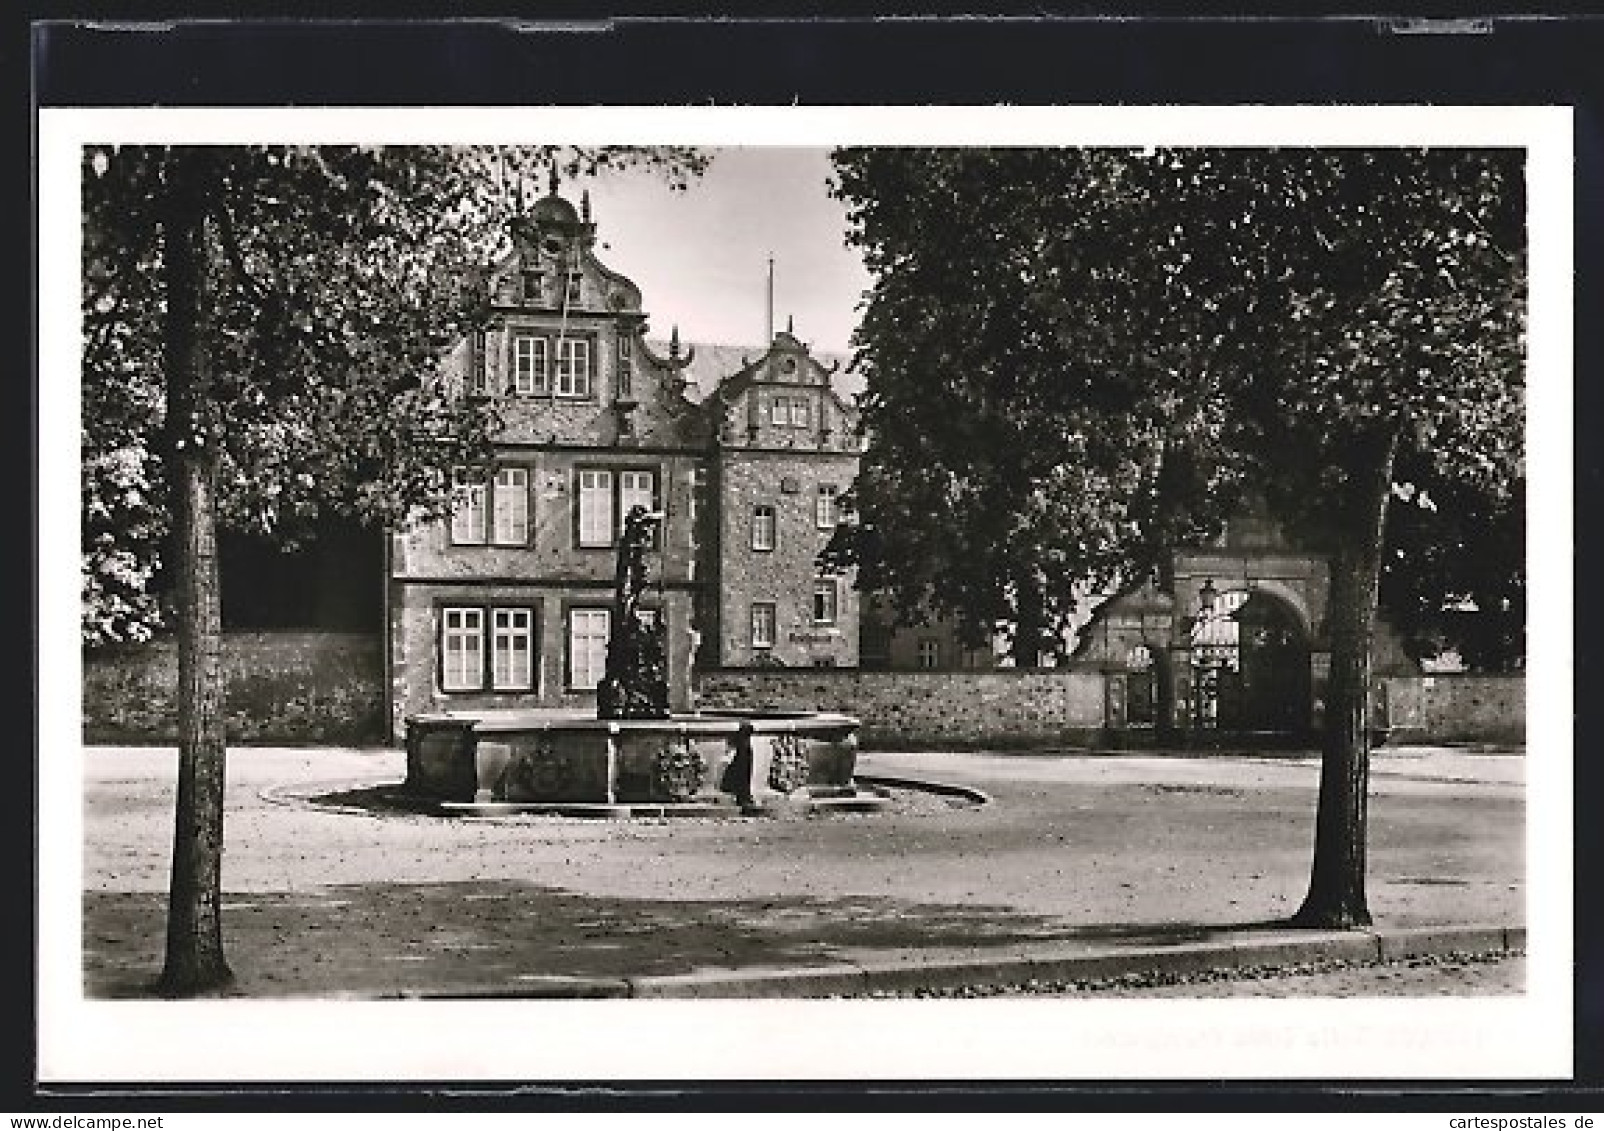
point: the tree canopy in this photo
(1078, 359)
(341, 276)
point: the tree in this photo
(264, 327)
(1398, 306)
(1048, 456)
(1149, 331)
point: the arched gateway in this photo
(1249, 665)
(1234, 646)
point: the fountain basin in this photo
(539, 761)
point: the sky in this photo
(700, 256)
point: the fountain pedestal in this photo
(539, 762)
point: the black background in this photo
(649, 55)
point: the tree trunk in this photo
(194, 963)
(1336, 897)
(1164, 721)
(1028, 625)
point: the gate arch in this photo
(1250, 664)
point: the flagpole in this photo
(769, 325)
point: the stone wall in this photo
(314, 687)
(999, 708)
(1457, 708)
(320, 687)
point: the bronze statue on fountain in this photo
(635, 685)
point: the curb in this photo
(940, 789)
(1055, 964)
(1268, 948)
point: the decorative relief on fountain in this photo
(538, 774)
(678, 770)
(788, 763)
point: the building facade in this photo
(508, 603)
(785, 453)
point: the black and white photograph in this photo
(773, 593)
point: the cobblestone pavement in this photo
(1432, 976)
(1467, 977)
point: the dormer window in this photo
(575, 288)
(790, 412)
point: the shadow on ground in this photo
(371, 939)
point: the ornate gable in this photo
(566, 350)
(784, 400)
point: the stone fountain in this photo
(634, 756)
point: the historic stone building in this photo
(785, 451)
(507, 603)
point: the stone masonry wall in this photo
(1457, 708)
(315, 687)
(785, 574)
(930, 709)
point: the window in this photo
(575, 289)
(637, 488)
(824, 600)
(763, 624)
(602, 513)
(763, 528)
(573, 367)
(534, 285)
(929, 652)
(511, 507)
(462, 651)
(467, 507)
(824, 513)
(478, 367)
(512, 641)
(530, 374)
(587, 647)
(626, 374)
(595, 508)
(634, 489)
(790, 412)
(494, 511)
